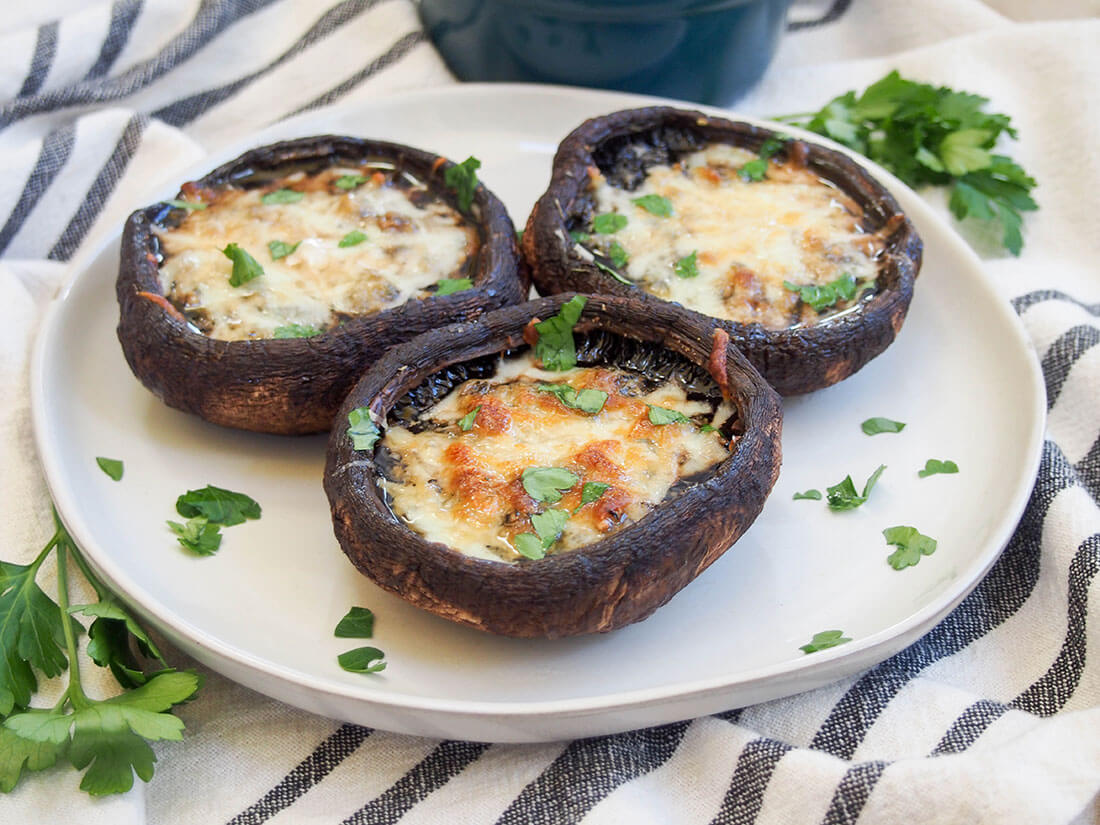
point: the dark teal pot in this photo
(709, 52)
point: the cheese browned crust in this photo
(748, 237)
(464, 488)
(413, 240)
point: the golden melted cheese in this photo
(465, 488)
(748, 237)
(409, 246)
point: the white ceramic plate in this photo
(262, 611)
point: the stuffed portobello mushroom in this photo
(557, 468)
(258, 296)
(804, 258)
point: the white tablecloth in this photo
(993, 717)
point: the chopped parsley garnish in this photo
(296, 331)
(612, 272)
(824, 640)
(449, 286)
(579, 237)
(529, 545)
(587, 400)
(218, 506)
(811, 494)
(660, 416)
(353, 238)
(361, 427)
(617, 254)
(654, 205)
(347, 182)
(555, 347)
(245, 267)
(822, 296)
(843, 496)
(548, 483)
(874, 426)
(549, 524)
(911, 544)
(282, 196)
(757, 168)
(687, 267)
(462, 180)
(198, 535)
(362, 660)
(934, 466)
(708, 428)
(466, 423)
(608, 223)
(358, 623)
(280, 249)
(111, 466)
(592, 490)
(188, 205)
(934, 135)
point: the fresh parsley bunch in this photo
(928, 135)
(38, 636)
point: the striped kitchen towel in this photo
(992, 717)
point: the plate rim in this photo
(825, 667)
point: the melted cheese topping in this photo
(748, 237)
(465, 488)
(412, 241)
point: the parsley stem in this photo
(101, 592)
(75, 692)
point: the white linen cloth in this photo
(994, 717)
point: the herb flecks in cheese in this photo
(743, 238)
(357, 241)
(468, 482)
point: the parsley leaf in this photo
(911, 544)
(282, 196)
(660, 416)
(587, 400)
(579, 237)
(358, 623)
(843, 496)
(874, 426)
(529, 545)
(548, 483)
(188, 205)
(466, 423)
(347, 182)
(612, 272)
(757, 168)
(928, 135)
(245, 267)
(813, 495)
(617, 254)
(198, 535)
(296, 331)
(362, 660)
(280, 249)
(824, 640)
(362, 429)
(686, 267)
(462, 179)
(549, 524)
(934, 466)
(449, 286)
(654, 205)
(592, 490)
(608, 223)
(822, 296)
(217, 505)
(555, 347)
(111, 466)
(353, 238)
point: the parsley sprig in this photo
(107, 737)
(928, 135)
